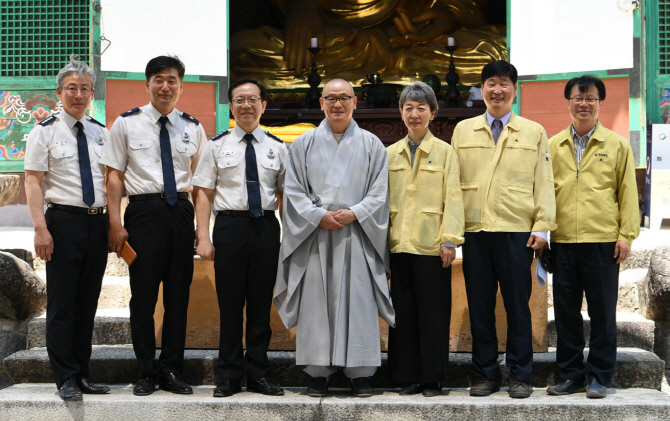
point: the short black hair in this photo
(244, 81)
(156, 64)
(500, 68)
(584, 82)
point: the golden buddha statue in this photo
(400, 39)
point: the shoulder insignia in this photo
(277, 138)
(92, 120)
(48, 120)
(220, 135)
(130, 112)
(190, 117)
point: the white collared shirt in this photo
(52, 148)
(223, 168)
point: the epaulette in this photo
(48, 120)
(220, 134)
(92, 120)
(130, 112)
(190, 117)
(277, 138)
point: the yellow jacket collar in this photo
(513, 122)
(598, 134)
(426, 143)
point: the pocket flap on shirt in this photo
(139, 142)
(517, 187)
(519, 145)
(228, 161)
(470, 186)
(63, 151)
(270, 164)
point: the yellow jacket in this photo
(507, 187)
(598, 202)
(426, 200)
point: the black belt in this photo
(77, 209)
(244, 213)
(155, 196)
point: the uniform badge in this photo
(271, 154)
(228, 153)
(185, 138)
(99, 141)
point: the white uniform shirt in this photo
(52, 148)
(134, 147)
(223, 167)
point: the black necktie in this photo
(253, 186)
(85, 166)
(168, 168)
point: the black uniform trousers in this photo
(585, 269)
(163, 237)
(245, 267)
(421, 294)
(491, 259)
(74, 279)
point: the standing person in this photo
(156, 149)
(332, 280)
(597, 215)
(508, 196)
(243, 170)
(63, 170)
(426, 227)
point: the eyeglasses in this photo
(252, 101)
(73, 91)
(333, 99)
(589, 101)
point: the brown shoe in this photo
(484, 387)
(519, 389)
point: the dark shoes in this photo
(172, 383)
(318, 387)
(595, 390)
(431, 390)
(69, 391)
(144, 387)
(411, 389)
(227, 388)
(567, 387)
(263, 386)
(519, 389)
(360, 387)
(484, 387)
(91, 388)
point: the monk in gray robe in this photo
(332, 280)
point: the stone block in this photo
(654, 290)
(22, 292)
(10, 186)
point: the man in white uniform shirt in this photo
(156, 148)
(63, 170)
(243, 171)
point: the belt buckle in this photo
(93, 211)
(162, 195)
(262, 214)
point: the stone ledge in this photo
(40, 402)
(635, 368)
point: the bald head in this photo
(338, 103)
(338, 85)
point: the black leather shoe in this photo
(519, 389)
(144, 387)
(360, 386)
(568, 387)
(595, 390)
(227, 388)
(431, 390)
(91, 388)
(318, 387)
(411, 389)
(172, 383)
(263, 386)
(484, 387)
(69, 390)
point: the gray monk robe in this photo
(332, 284)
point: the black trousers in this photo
(491, 259)
(585, 269)
(421, 294)
(163, 237)
(74, 278)
(245, 267)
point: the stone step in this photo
(39, 402)
(635, 368)
(633, 330)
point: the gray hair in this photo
(75, 66)
(419, 92)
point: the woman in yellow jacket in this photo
(426, 226)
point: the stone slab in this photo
(110, 328)
(116, 364)
(40, 402)
(202, 330)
